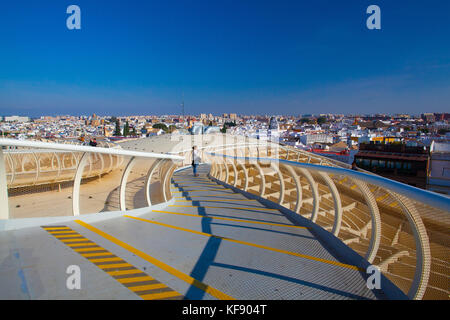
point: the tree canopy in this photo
(161, 126)
(117, 130)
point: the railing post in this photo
(375, 220)
(337, 203)
(423, 254)
(235, 173)
(77, 184)
(262, 186)
(11, 163)
(315, 193)
(123, 183)
(4, 206)
(166, 182)
(276, 168)
(297, 186)
(149, 182)
(245, 175)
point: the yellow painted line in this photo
(121, 272)
(383, 197)
(98, 254)
(116, 265)
(215, 200)
(154, 296)
(394, 204)
(237, 208)
(58, 236)
(91, 248)
(57, 228)
(198, 185)
(343, 180)
(212, 189)
(105, 259)
(353, 186)
(75, 240)
(211, 195)
(148, 287)
(56, 232)
(101, 260)
(135, 279)
(208, 289)
(74, 245)
(193, 180)
(230, 219)
(68, 241)
(250, 244)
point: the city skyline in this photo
(284, 58)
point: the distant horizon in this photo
(247, 57)
(220, 114)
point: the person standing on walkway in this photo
(93, 142)
(195, 160)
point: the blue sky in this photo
(248, 57)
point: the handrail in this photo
(77, 148)
(404, 196)
(217, 146)
(430, 198)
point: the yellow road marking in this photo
(74, 245)
(198, 185)
(161, 295)
(383, 197)
(193, 180)
(58, 236)
(249, 244)
(208, 289)
(230, 219)
(57, 228)
(101, 260)
(343, 180)
(237, 208)
(74, 240)
(223, 200)
(92, 248)
(148, 287)
(211, 195)
(98, 254)
(116, 265)
(56, 232)
(135, 279)
(212, 189)
(105, 259)
(394, 204)
(121, 272)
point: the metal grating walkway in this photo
(211, 243)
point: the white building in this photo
(16, 119)
(318, 137)
(438, 179)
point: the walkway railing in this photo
(353, 206)
(33, 163)
(100, 179)
(30, 167)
